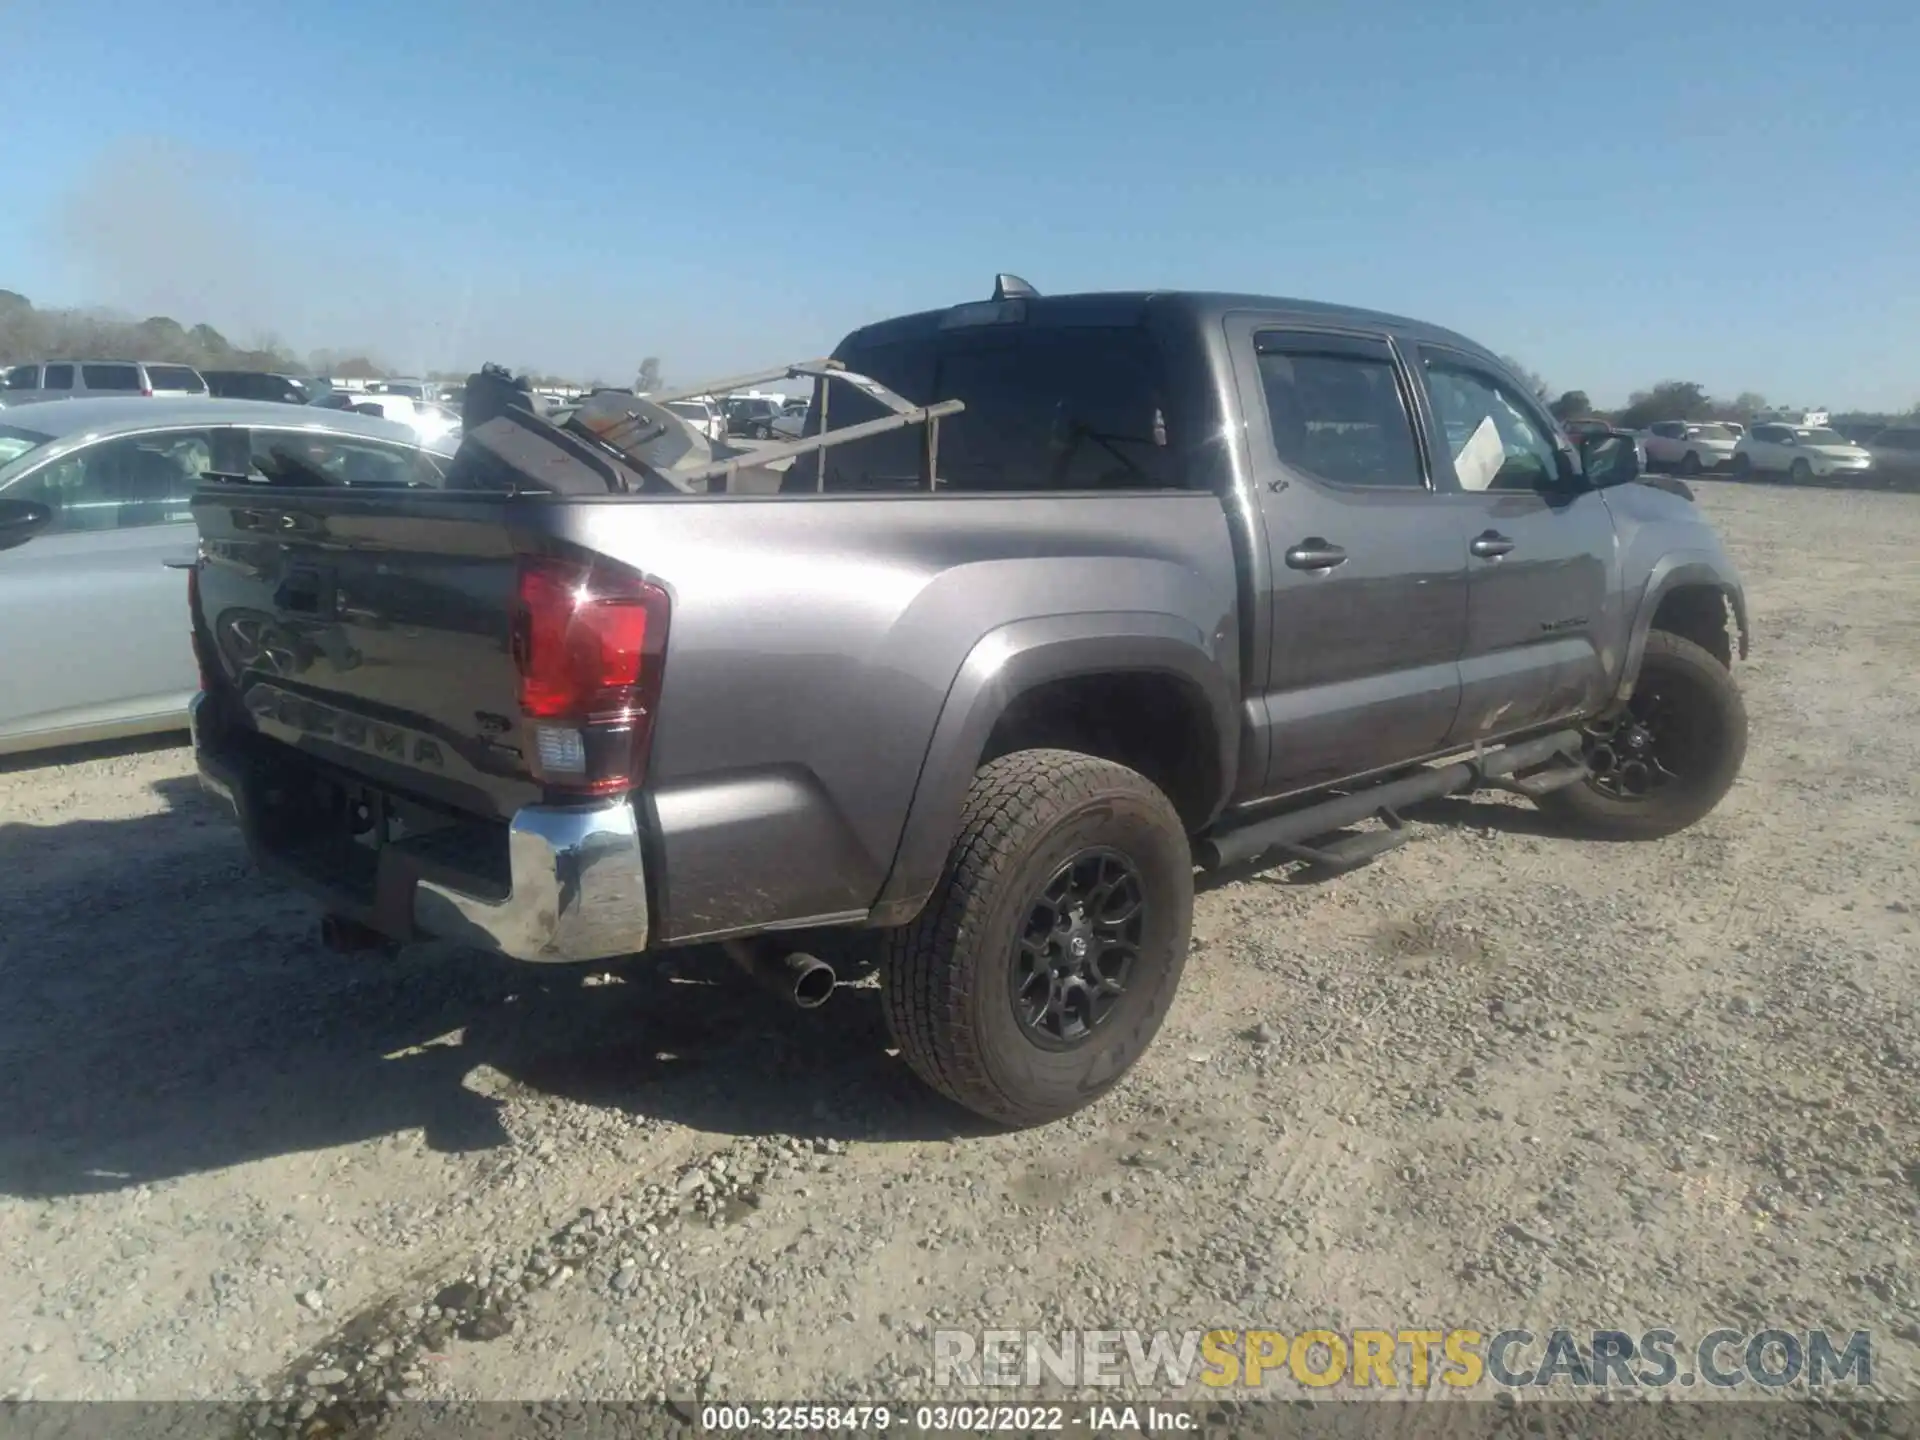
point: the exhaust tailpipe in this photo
(797, 977)
(349, 937)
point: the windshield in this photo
(15, 442)
(1822, 437)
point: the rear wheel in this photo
(1665, 760)
(1048, 955)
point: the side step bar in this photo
(1290, 832)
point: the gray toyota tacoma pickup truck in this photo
(1060, 599)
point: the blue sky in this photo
(1614, 194)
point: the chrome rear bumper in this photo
(576, 890)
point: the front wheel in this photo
(1049, 953)
(1691, 464)
(1743, 467)
(1800, 472)
(1668, 758)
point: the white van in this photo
(72, 379)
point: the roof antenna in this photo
(1012, 287)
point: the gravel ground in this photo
(1497, 1079)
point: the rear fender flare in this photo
(1006, 663)
(1670, 573)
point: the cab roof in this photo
(1197, 308)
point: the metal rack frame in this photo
(823, 373)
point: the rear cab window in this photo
(110, 377)
(1048, 408)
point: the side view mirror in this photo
(21, 520)
(1610, 459)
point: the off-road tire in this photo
(947, 976)
(1707, 690)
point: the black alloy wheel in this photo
(1648, 745)
(1078, 948)
(1667, 757)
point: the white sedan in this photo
(1689, 446)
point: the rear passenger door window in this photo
(110, 377)
(1336, 409)
(125, 484)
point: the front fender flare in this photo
(1006, 663)
(1670, 573)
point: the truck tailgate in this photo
(372, 632)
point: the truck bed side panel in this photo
(813, 645)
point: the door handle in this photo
(1313, 553)
(1491, 545)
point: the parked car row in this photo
(752, 416)
(1802, 453)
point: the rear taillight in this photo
(589, 642)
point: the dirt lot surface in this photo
(1498, 1079)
